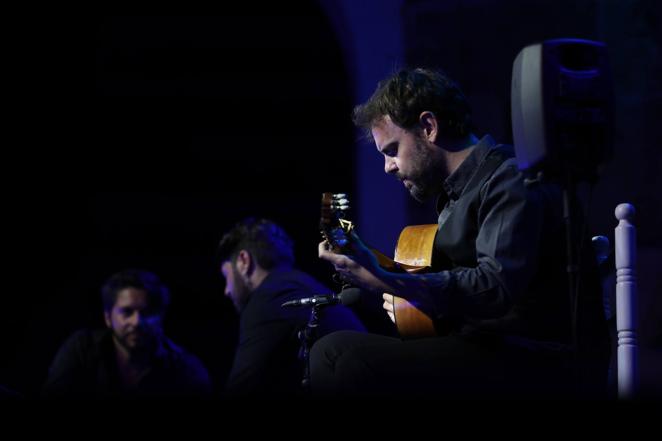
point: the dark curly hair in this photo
(157, 293)
(266, 241)
(408, 93)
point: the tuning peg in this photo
(340, 208)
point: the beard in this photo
(240, 290)
(134, 341)
(420, 192)
(143, 338)
(425, 176)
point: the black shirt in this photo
(267, 358)
(500, 250)
(85, 367)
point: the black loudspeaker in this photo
(562, 109)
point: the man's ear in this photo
(244, 263)
(106, 318)
(429, 124)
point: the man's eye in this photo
(391, 152)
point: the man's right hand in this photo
(360, 269)
(389, 305)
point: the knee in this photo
(328, 348)
(324, 358)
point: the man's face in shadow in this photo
(235, 286)
(410, 158)
(134, 324)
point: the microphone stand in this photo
(307, 337)
(308, 334)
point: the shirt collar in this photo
(455, 183)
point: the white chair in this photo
(625, 299)
(627, 319)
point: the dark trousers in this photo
(352, 364)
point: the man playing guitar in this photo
(495, 290)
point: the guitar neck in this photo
(386, 262)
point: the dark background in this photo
(147, 137)
(186, 125)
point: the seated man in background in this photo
(131, 358)
(257, 260)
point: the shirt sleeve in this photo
(510, 224)
(267, 347)
(260, 358)
(66, 371)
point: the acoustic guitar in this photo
(413, 254)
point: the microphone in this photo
(346, 297)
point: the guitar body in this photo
(413, 254)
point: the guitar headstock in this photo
(334, 226)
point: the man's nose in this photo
(390, 166)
